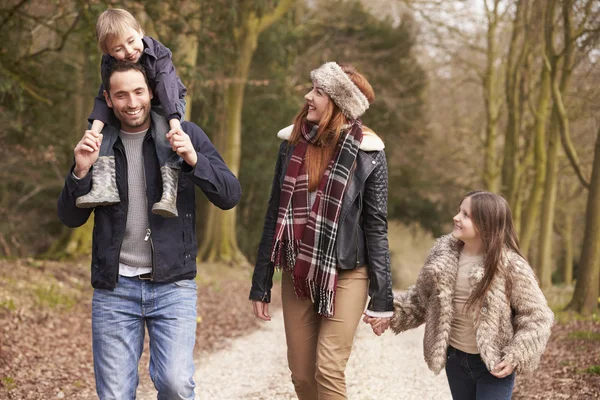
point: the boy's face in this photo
(128, 47)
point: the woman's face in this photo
(318, 102)
(464, 228)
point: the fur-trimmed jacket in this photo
(516, 329)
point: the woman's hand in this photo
(379, 325)
(503, 369)
(261, 310)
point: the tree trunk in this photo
(585, 296)
(544, 263)
(78, 242)
(220, 241)
(516, 56)
(492, 105)
(73, 243)
(531, 211)
(559, 84)
(567, 236)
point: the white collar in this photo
(370, 141)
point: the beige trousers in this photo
(319, 347)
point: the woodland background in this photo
(501, 95)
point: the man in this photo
(143, 264)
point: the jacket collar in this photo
(370, 141)
(444, 258)
(149, 46)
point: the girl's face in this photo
(318, 102)
(464, 228)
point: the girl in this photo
(326, 228)
(484, 313)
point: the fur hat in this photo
(344, 93)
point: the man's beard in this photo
(134, 123)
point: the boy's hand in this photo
(86, 152)
(182, 145)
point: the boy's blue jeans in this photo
(119, 317)
(164, 152)
(470, 379)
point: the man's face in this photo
(129, 98)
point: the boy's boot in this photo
(104, 185)
(167, 206)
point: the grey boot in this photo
(167, 206)
(104, 185)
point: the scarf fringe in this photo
(285, 254)
(323, 299)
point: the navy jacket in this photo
(173, 240)
(164, 82)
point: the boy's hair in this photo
(121, 66)
(112, 24)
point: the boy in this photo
(121, 38)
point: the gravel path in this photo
(254, 367)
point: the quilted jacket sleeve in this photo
(262, 279)
(376, 229)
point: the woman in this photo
(326, 229)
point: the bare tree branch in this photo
(63, 39)
(12, 12)
(565, 137)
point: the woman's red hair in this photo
(330, 129)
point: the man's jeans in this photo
(118, 318)
(470, 379)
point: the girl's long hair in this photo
(493, 220)
(330, 130)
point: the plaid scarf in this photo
(304, 241)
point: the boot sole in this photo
(95, 203)
(164, 212)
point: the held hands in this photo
(379, 325)
(182, 145)
(502, 370)
(86, 152)
(261, 310)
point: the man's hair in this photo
(113, 24)
(121, 66)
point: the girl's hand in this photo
(261, 310)
(503, 369)
(379, 325)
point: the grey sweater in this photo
(136, 253)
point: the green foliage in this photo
(584, 335)
(8, 304)
(52, 297)
(594, 369)
(41, 57)
(8, 382)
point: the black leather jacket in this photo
(362, 235)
